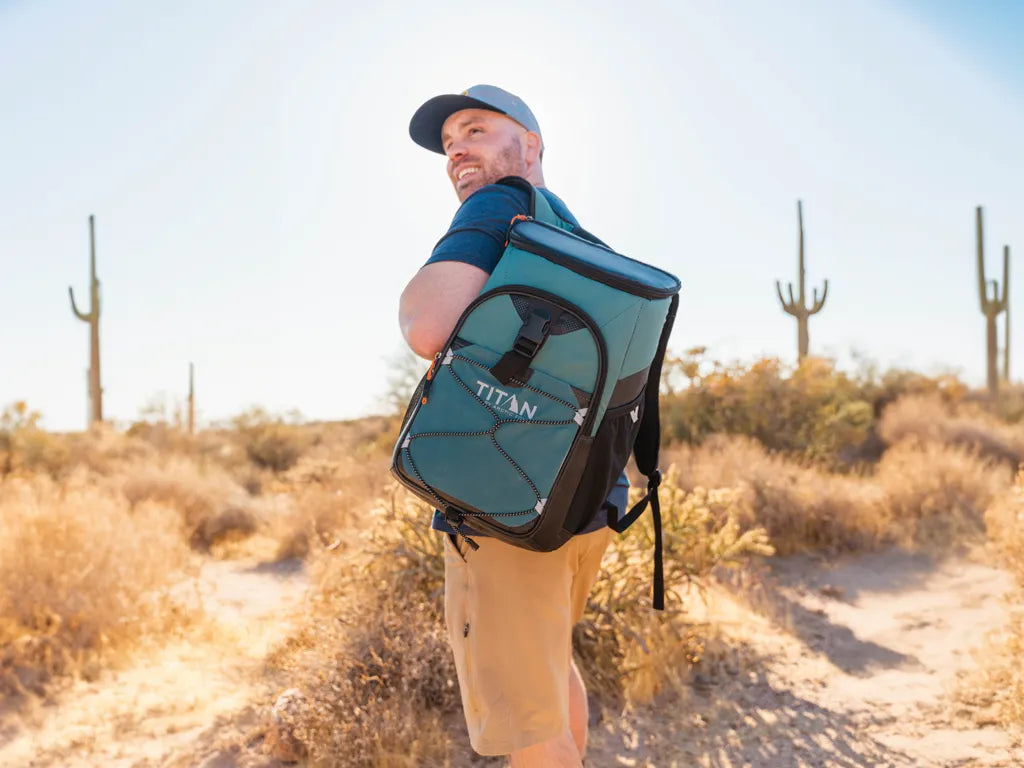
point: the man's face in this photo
(482, 147)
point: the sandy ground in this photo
(164, 699)
(854, 663)
(843, 664)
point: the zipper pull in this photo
(454, 519)
(517, 217)
(430, 378)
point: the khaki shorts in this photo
(510, 614)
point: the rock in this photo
(285, 716)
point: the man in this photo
(509, 611)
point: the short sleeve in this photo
(478, 231)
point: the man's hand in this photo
(433, 301)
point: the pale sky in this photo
(259, 205)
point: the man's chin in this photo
(468, 189)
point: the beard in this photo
(508, 162)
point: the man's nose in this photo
(456, 151)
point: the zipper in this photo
(429, 379)
(523, 243)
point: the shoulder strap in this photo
(540, 208)
(645, 451)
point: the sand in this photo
(853, 662)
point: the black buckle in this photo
(532, 334)
(514, 365)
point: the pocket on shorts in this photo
(453, 550)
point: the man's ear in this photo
(533, 147)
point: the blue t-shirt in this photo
(477, 236)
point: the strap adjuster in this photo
(654, 480)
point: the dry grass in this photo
(932, 419)
(999, 682)
(331, 490)
(936, 495)
(210, 507)
(388, 680)
(631, 652)
(919, 494)
(801, 507)
(1005, 524)
(82, 575)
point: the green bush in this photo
(813, 410)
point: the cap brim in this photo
(425, 126)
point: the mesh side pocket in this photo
(612, 448)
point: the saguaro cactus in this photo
(191, 400)
(92, 317)
(1006, 319)
(797, 306)
(991, 306)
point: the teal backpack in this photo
(527, 416)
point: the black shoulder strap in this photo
(645, 451)
(540, 208)
(523, 184)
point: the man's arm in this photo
(433, 301)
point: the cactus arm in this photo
(800, 218)
(84, 317)
(981, 261)
(778, 290)
(819, 303)
(1006, 318)
(1006, 276)
(790, 307)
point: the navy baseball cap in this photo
(425, 126)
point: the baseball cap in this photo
(425, 126)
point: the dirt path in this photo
(863, 674)
(848, 665)
(159, 703)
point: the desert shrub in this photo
(801, 508)
(81, 577)
(25, 446)
(1004, 524)
(388, 680)
(331, 490)
(998, 682)
(918, 494)
(163, 437)
(813, 410)
(628, 650)
(210, 507)
(270, 441)
(937, 494)
(930, 418)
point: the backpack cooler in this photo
(527, 416)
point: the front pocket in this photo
(494, 448)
